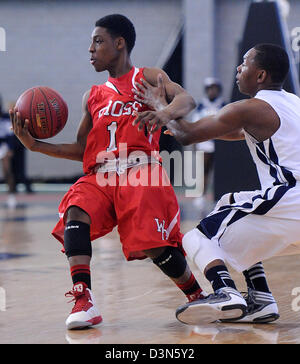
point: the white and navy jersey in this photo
(277, 160)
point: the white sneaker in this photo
(84, 312)
(226, 303)
(262, 308)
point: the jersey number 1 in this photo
(112, 128)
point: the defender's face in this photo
(247, 74)
(102, 49)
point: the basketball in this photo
(45, 109)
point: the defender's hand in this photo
(154, 97)
(154, 120)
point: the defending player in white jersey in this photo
(245, 227)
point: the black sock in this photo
(173, 264)
(256, 278)
(219, 277)
(191, 288)
(81, 273)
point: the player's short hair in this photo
(119, 26)
(274, 59)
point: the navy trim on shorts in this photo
(283, 180)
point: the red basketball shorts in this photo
(147, 215)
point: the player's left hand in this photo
(21, 129)
(153, 120)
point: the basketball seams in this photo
(53, 95)
(66, 113)
(63, 111)
(33, 109)
(39, 98)
(49, 107)
(31, 101)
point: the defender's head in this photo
(264, 66)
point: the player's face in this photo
(103, 50)
(247, 74)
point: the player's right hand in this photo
(21, 130)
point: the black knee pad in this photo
(172, 262)
(77, 239)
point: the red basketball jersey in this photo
(111, 106)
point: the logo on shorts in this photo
(161, 229)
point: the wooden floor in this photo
(137, 302)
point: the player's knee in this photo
(154, 252)
(200, 249)
(172, 262)
(75, 213)
(77, 239)
(193, 241)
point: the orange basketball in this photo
(45, 109)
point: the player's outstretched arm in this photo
(184, 131)
(179, 102)
(227, 124)
(72, 151)
(188, 133)
(254, 116)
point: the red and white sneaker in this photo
(84, 312)
(198, 295)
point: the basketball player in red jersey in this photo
(147, 216)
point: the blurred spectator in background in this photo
(7, 140)
(19, 160)
(209, 105)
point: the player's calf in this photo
(172, 263)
